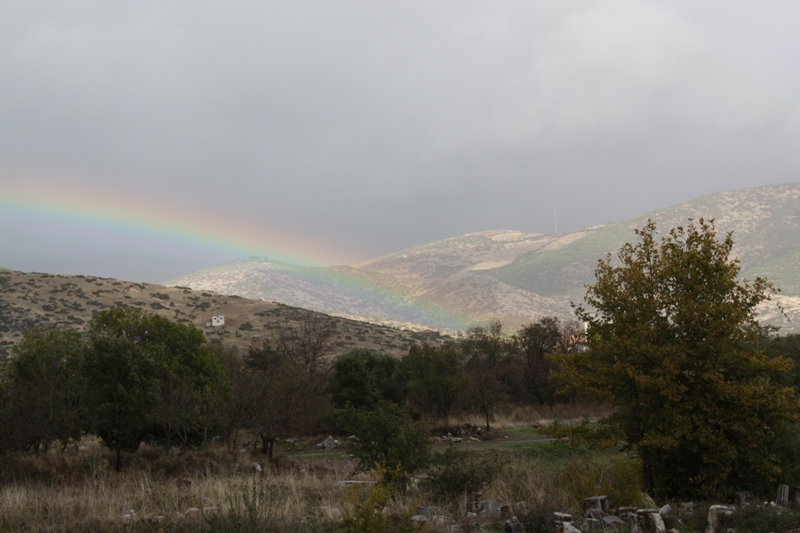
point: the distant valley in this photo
(517, 277)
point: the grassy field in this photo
(218, 489)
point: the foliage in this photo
(619, 477)
(143, 372)
(436, 378)
(41, 403)
(369, 514)
(120, 390)
(485, 353)
(454, 473)
(280, 398)
(786, 346)
(535, 342)
(386, 437)
(362, 378)
(672, 336)
(756, 518)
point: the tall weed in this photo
(254, 507)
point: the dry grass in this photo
(79, 491)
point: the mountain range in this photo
(517, 277)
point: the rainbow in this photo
(153, 220)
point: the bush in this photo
(368, 513)
(386, 437)
(454, 473)
(620, 478)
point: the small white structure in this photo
(217, 321)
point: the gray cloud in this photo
(380, 125)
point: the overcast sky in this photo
(377, 125)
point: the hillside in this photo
(517, 277)
(48, 300)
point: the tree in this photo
(307, 339)
(144, 374)
(361, 378)
(41, 397)
(672, 335)
(282, 397)
(536, 342)
(436, 378)
(485, 352)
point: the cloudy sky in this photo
(336, 131)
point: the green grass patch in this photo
(526, 433)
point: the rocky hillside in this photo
(28, 300)
(517, 277)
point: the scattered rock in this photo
(718, 516)
(328, 443)
(333, 514)
(783, 495)
(596, 503)
(255, 467)
(442, 521)
(488, 507)
(649, 521)
(592, 524)
(512, 525)
(193, 513)
(350, 483)
(156, 519)
(613, 521)
(664, 511)
(425, 511)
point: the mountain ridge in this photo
(518, 277)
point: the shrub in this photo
(367, 513)
(386, 437)
(454, 473)
(620, 478)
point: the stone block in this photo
(718, 517)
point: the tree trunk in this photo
(118, 463)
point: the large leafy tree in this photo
(143, 374)
(672, 334)
(436, 378)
